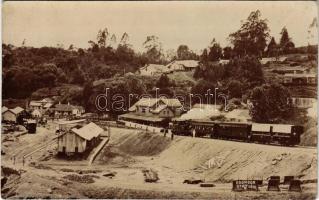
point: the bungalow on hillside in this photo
(303, 102)
(182, 65)
(43, 104)
(153, 111)
(67, 110)
(300, 79)
(264, 61)
(291, 70)
(153, 70)
(79, 140)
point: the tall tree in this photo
(124, 39)
(251, 38)
(227, 53)
(182, 52)
(153, 49)
(215, 51)
(102, 37)
(272, 47)
(270, 103)
(286, 43)
(113, 41)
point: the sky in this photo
(191, 23)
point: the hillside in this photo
(187, 156)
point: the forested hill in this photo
(26, 69)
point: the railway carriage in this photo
(233, 130)
(182, 127)
(283, 134)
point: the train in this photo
(282, 134)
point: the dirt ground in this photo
(117, 171)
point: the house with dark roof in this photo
(153, 110)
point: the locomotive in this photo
(283, 134)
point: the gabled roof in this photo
(172, 102)
(159, 108)
(17, 110)
(149, 102)
(4, 109)
(88, 131)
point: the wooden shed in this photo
(79, 140)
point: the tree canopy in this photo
(251, 38)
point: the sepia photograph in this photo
(159, 100)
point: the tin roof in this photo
(202, 111)
(88, 131)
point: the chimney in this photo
(68, 103)
(59, 102)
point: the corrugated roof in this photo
(202, 111)
(89, 131)
(17, 110)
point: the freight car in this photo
(249, 132)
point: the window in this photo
(143, 110)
